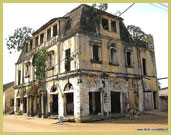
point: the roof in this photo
(163, 92)
(7, 85)
(79, 20)
(47, 24)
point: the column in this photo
(42, 105)
(102, 103)
(121, 102)
(141, 97)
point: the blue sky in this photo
(149, 18)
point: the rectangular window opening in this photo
(67, 60)
(19, 77)
(48, 34)
(144, 66)
(36, 41)
(26, 47)
(113, 26)
(41, 38)
(31, 44)
(113, 58)
(95, 52)
(50, 60)
(54, 30)
(128, 58)
(105, 24)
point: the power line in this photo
(157, 6)
(163, 5)
(126, 9)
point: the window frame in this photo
(99, 44)
(66, 57)
(130, 51)
(113, 62)
(55, 31)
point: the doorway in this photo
(94, 103)
(25, 105)
(69, 98)
(55, 104)
(115, 102)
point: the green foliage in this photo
(18, 40)
(70, 58)
(101, 6)
(97, 9)
(139, 37)
(20, 113)
(40, 64)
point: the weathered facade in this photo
(109, 75)
(8, 98)
(163, 99)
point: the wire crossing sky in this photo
(151, 19)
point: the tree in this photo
(101, 6)
(139, 36)
(40, 65)
(18, 40)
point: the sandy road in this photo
(12, 123)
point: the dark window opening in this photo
(50, 60)
(69, 103)
(54, 30)
(115, 102)
(19, 77)
(26, 47)
(27, 69)
(105, 24)
(94, 103)
(55, 104)
(31, 44)
(113, 26)
(36, 41)
(41, 38)
(95, 53)
(144, 66)
(128, 58)
(67, 60)
(113, 58)
(48, 34)
(11, 102)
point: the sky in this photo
(151, 19)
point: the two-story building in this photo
(109, 75)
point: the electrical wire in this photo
(163, 5)
(126, 9)
(158, 6)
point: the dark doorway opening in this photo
(55, 104)
(25, 105)
(69, 103)
(94, 103)
(154, 100)
(115, 102)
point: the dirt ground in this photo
(12, 123)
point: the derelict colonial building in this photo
(110, 74)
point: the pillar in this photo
(102, 102)
(141, 97)
(121, 102)
(42, 106)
